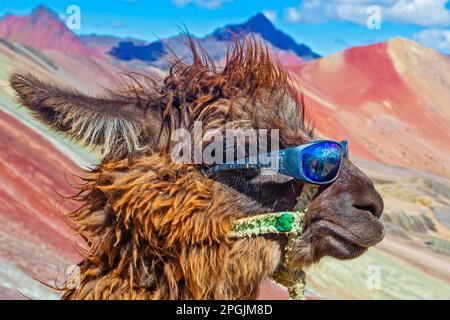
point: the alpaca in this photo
(158, 229)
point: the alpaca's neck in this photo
(159, 230)
(205, 275)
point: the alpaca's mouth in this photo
(342, 247)
(344, 240)
(355, 235)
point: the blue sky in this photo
(326, 26)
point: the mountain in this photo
(128, 50)
(259, 24)
(102, 44)
(391, 100)
(42, 29)
(215, 44)
(45, 31)
(35, 166)
(42, 38)
(35, 241)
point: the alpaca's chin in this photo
(340, 248)
(316, 243)
(308, 253)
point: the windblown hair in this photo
(156, 229)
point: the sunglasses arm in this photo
(271, 161)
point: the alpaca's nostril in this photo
(371, 201)
(374, 207)
(371, 208)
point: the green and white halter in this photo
(290, 224)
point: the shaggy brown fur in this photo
(157, 229)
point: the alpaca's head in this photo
(148, 193)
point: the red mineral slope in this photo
(391, 100)
(288, 58)
(42, 29)
(35, 241)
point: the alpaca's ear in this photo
(115, 124)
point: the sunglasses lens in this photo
(321, 162)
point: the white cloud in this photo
(421, 12)
(417, 12)
(435, 38)
(207, 4)
(271, 15)
(292, 15)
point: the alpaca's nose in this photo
(369, 199)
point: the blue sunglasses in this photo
(316, 162)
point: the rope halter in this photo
(290, 224)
